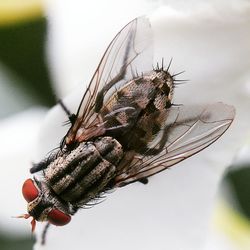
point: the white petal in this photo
(79, 33)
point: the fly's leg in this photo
(44, 233)
(36, 167)
(114, 125)
(165, 136)
(72, 117)
(144, 180)
(116, 79)
(100, 95)
(161, 145)
(116, 112)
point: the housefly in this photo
(126, 129)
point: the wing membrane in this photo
(187, 131)
(129, 53)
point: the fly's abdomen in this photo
(82, 174)
(139, 108)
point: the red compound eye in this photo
(30, 192)
(58, 218)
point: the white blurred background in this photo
(49, 50)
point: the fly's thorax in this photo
(81, 174)
(109, 148)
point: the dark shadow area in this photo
(19, 243)
(239, 180)
(22, 50)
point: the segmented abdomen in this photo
(142, 104)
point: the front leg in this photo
(36, 167)
(44, 233)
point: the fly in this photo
(126, 129)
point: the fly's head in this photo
(43, 205)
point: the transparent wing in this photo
(187, 131)
(129, 53)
